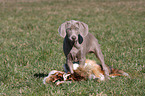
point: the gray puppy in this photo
(78, 42)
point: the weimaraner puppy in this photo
(78, 42)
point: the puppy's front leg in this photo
(70, 63)
(82, 61)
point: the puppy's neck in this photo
(77, 45)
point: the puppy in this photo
(78, 42)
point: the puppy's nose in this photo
(73, 37)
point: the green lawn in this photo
(30, 46)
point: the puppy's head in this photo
(74, 30)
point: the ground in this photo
(30, 46)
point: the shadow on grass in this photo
(40, 75)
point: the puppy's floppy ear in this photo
(83, 29)
(62, 30)
(80, 39)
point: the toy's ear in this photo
(62, 29)
(83, 29)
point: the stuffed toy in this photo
(91, 70)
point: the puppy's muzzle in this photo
(73, 38)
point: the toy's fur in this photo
(90, 70)
(95, 71)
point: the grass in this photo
(30, 45)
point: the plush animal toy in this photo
(90, 70)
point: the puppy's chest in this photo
(75, 54)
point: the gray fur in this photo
(78, 42)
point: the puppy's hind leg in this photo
(100, 56)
